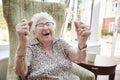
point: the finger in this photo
(24, 23)
(23, 20)
(81, 23)
(23, 32)
(83, 26)
(17, 26)
(26, 32)
(76, 25)
(86, 33)
(30, 25)
(25, 27)
(83, 34)
(81, 31)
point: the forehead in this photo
(43, 20)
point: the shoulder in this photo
(59, 41)
(63, 43)
(33, 42)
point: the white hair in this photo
(37, 16)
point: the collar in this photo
(36, 42)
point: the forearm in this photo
(20, 61)
(81, 55)
(81, 52)
(78, 55)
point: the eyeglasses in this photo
(48, 24)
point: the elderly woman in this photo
(45, 57)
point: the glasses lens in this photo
(49, 24)
(40, 25)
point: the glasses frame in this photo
(48, 24)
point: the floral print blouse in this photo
(54, 65)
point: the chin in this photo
(48, 39)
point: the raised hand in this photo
(83, 32)
(23, 29)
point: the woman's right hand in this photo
(23, 29)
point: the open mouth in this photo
(46, 34)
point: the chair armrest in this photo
(3, 68)
(83, 73)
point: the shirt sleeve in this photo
(66, 46)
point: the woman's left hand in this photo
(83, 32)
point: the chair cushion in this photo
(83, 73)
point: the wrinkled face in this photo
(44, 30)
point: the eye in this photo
(48, 24)
(40, 25)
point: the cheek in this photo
(37, 33)
(52, 30)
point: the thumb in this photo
(76, 25)
(30, 25)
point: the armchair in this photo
(3, 68)
(83, 73)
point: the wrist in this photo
(82, 48)
(82, 44)
(21, 50)
(23, 43)
(20, 55)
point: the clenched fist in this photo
(83, 32)
(23, 29)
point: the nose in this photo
(45, 27)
